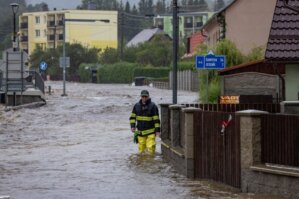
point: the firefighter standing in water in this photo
(146, 114)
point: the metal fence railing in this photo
(280, 139)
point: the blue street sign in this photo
(210, 62)
(43, 65)
(200, 62)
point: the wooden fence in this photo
(271, 108)
(217, 154)
(206, 144)
(280, 139)
(186, 80)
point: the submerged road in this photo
(80, 146)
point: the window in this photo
(159, 23)
(188, 22)
(37, 19)
(45, 19)
(45, 33)
(37, 33)
(198, 21)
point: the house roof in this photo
(259, 66)
(143, 36)
(283, 42)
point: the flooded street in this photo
(80, 146)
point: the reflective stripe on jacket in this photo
(146, 116)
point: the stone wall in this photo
(255, 175)
(181, 157)
(251, 83)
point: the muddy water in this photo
(79, 146)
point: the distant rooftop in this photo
(143, 36)
(283, 42)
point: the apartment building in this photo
(189, 22)
(92, 28)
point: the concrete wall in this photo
(251, 84)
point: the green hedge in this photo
(121, 72)
(85, 71)
(186, 65)
(152, 72)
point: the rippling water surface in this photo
(80, 146)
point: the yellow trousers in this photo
(147, 142)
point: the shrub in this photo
(121, 72)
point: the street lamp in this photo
(175, 50)
(14, 7)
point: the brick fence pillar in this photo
(189, 140)
(175, 112)
(250, 142)
(165, 122)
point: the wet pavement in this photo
(80, 146)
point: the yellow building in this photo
(92, 28)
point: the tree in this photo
(127, 7)
(190, 2)
(160, 7)
(157, 52)
(78, 54)
(203, 6)
(134, 10)
(142, 7)
(233, 57)
(219, 4)
(101, 4)
(109, 56)
(149, 7)
(184, 2)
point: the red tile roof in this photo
(283, 42)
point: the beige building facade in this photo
(247, 23)
(91, 28)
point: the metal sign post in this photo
(65, 61)
(209, 62)
(63, 55)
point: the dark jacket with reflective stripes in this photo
(147, 118)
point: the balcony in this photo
(24, 25)
(51, 24)
(188, 25)
(60, 37)
(51, 37)
(60, 23)
(24, 38)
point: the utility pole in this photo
(14, 7)
(122, 36)
(64, 58)
(175, 50)
(54, 46)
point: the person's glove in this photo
(135, 140)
